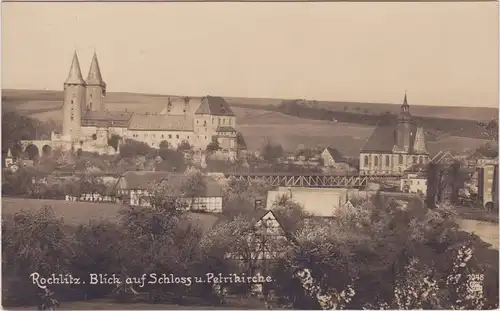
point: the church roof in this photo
(216, 106)
(75, 73)
(9, 153)
(107, 116)
(161, 123)
(94, 77)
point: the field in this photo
(260, 125)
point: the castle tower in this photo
(74, 99)
(404, 128)
(96, 87)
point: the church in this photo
(88, 124)
(393, 148)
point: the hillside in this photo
(259, 120)
(43, 98)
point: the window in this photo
(145, 134)
(223, 121)
(414, 160)
(177, 136)
(212, 120)
(188, 137)
(154, 135)
(229, 121)
(421, 160)
(218, 121)
(197, 121)
(387, 160)
(366, 161)
(205, 123)
(375, 161)
(169, 135)
(400, 159)
(162, 136)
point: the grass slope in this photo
(259, 125)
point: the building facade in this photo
(132, 188)
(88, 124)
(488, 185)
(394, 147)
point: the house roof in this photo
(141, 180)
(221, 129)
(107, 116)
(336, 155)
(242, 144)
(216, 106)
(442, 157)
(161, 123)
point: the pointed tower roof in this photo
(9, 153)
(94, 77)
(405, 110)
(75, 74)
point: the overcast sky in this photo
(441, 53)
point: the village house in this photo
(133, 186)
(332, 157)
(414, 183)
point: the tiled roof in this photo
(336, 155)
(216, 106)
(107, 116)
(221, 129)
(383, 139)
(161, 123)
(143, 179)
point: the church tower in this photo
(74, 99)
(96, 87)
(404, 129)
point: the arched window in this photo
(375, 161)
(421, 160)
(400, 159)
(414, 159)
(366, 161)
(387, 160)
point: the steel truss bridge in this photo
(312, 180)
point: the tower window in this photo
(169, 135)
(366, 160)
(387, 160)
(177, 136)
(400, 159)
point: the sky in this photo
(441, 53)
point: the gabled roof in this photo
(107, 116)
(75, 73)
(336, 155)
(141, 180)
(216, 106)
(161, 122)
(94, 77)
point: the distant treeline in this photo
(436, 126)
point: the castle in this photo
(88, 124)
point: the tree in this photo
(32, 242)
(194, 186)
(184, 146)
(381, 253)
(133, 148)
(271, 152)
(213, 145)
(114, 141)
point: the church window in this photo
(197, 121)
(376, 161)
(154, 135)
(205, 123)
(387, 160)
(218, 120)
(400, 159)
(229, 120)
(366, 161)
(162, 136)
(421, 160)
(90, 106)
(169, 135)
(177, 136)
(145, 134)
(414, 160)
(223, 121)
(212, 120)
(188, 137)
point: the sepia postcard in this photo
(305, 155)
